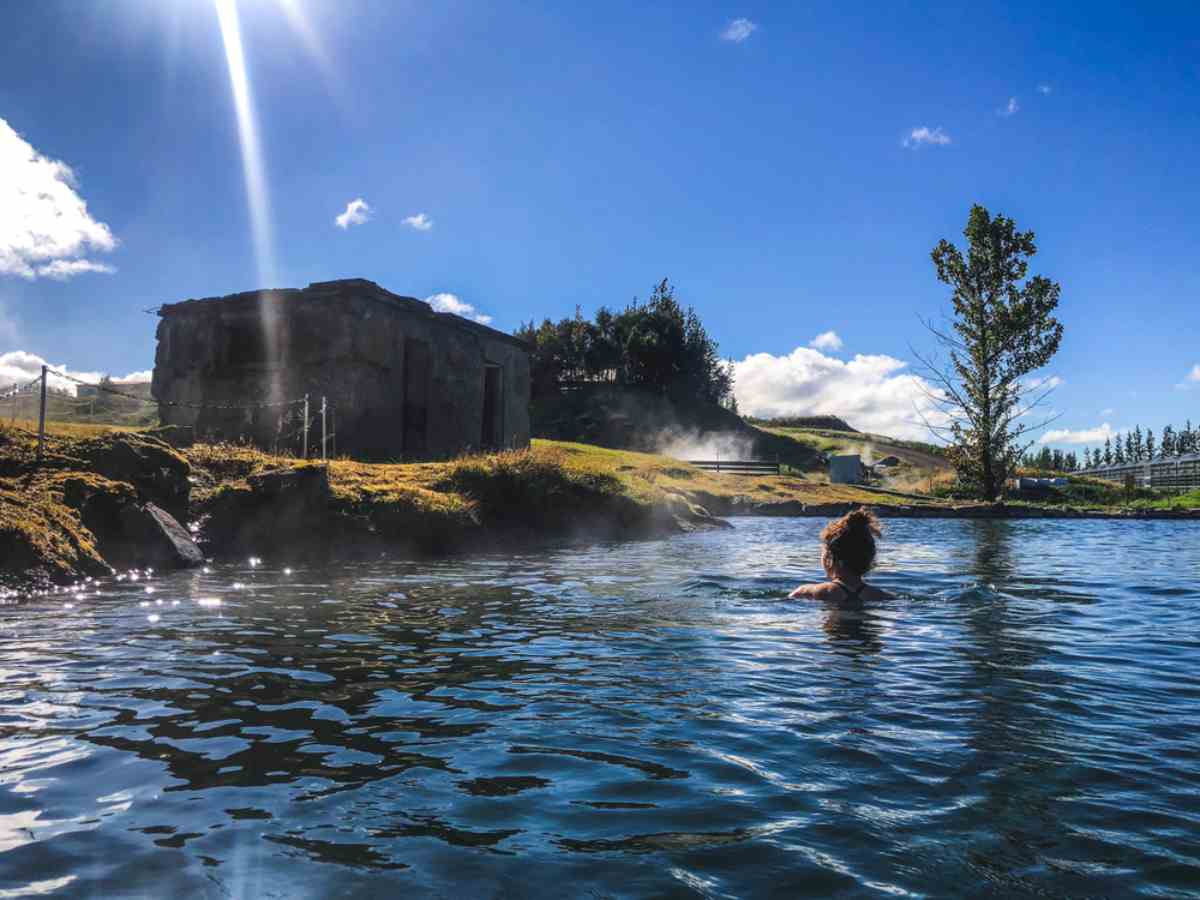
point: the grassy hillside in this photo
(647, 421)
(136, 411)
(811, 423)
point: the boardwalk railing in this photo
(738, 466)
(1179, 473)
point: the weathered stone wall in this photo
(346, 341)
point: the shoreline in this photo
(788, 509)
(130, 500)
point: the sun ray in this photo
(253, 168)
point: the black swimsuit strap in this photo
(852, 595)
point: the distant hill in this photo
(826, 423)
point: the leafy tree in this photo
(1118, 450)
(1130, 456)
(1003, 330)
(1149, 448)
(1108, 452)
(657, 345)
(1137, 449)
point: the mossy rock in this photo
(42, 540)
(152, 466)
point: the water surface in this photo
(639, 719)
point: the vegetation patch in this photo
(42, 540)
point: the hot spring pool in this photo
(640, 719)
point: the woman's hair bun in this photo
(851, 539)
(862, 521)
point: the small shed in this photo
(847, 469)
(403, 380)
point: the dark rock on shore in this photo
(151, 536)
(151, 466)
(128, 534)
(178, 436)
(274, 507)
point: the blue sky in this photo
(524, 158)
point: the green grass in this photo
(1190, 500)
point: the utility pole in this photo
(42, 420)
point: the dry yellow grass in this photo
(643, 477)
(547, 467)
(68, 429)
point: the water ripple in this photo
(621, 719)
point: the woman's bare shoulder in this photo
(812, 591)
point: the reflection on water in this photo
(623, 719)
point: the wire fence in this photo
(300, 426)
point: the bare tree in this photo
(1002, 331)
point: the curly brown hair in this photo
(850, 540)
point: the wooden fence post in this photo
(42, 421)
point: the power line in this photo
(179, 403)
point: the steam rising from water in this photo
(691, 444)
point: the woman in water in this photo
(848, 555)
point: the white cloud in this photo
(739, 30)
(826, 340)
(1042, 383)
(1011, 108)
(358, 212)
(135, 377)
(1191, 379)
(1044, 88)
(1095, 435)
(420, 222)
(44, 224)
(1107, 411)
(22, 367)
(870, 392)
(63, 269)
(925, 136)
(450, 303)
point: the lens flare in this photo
(252, 159)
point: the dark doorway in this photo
(416, 396)
(492, 427)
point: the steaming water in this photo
(641, 719)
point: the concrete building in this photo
(402, 381)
